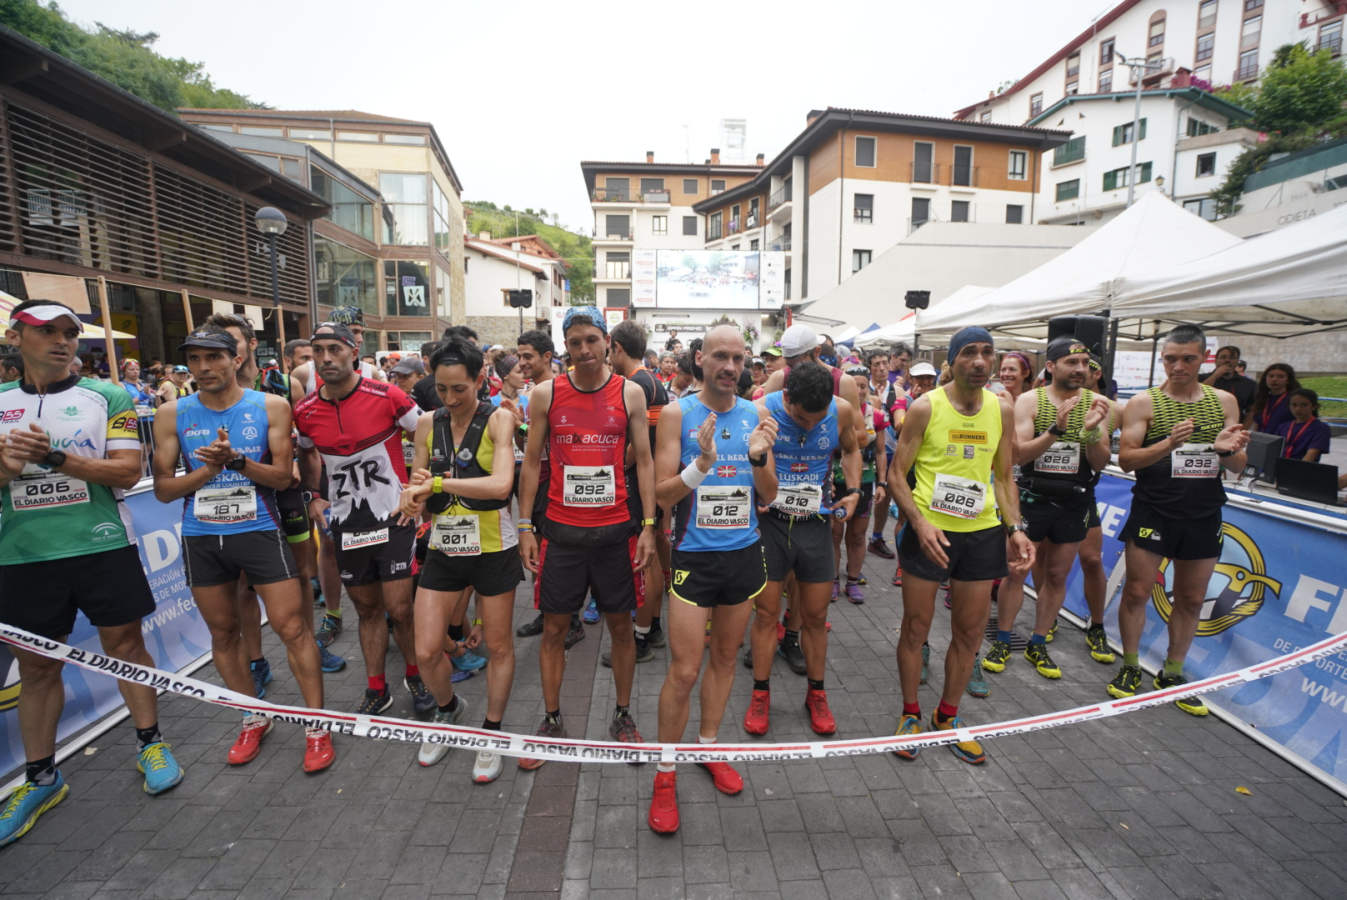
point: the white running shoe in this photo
(487, 768)
(429, 754)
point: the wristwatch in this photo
(237, 463)
(1056, 430)
(1012, 528)
(758, 462)
(54, 459)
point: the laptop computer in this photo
(1317, 482)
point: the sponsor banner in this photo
(175, 634)
(566, 750)
(1279, 585)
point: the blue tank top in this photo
(230, 503)
(721, 513)
(803, 459)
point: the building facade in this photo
(415, 230)
(493, 267)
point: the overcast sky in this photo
(520, 92)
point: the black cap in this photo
(334, 331)
(1065, 345)
(210, 340)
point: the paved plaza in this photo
(1143, 805)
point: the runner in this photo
(1060, 446)
(464, 473)
(796, 534)
(235, 446)
(175, 385)
(799, 344)
(922, 378)
(302, 378)
(1094, 580)
(890, 399)
(71, 447)
(585, 419)
(872, 461)
(1176, 437)
(954, 438)
(353, 426)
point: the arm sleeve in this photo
(123, 426)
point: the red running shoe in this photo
(898, 576)
(726, 779)
(318, 752)
(820, 717)
(663, 816)
(249, 742)
(759, 706)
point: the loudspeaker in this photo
(1091, 330)
(917, 299)
(521, 299)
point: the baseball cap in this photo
(210, 340)
(181, 370)
(409, 366)
(756, 361)
(584, 315)
(347, 315)
(799, 340)
(1065, 345)
(771, 351)
(922, 368)
(44, 312)
(334, 331)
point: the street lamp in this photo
(1137, 63)
(271, 222)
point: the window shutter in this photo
(1117, 135)
(1143, 130)
(1145, 174)
(1110, 180)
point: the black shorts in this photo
(295, 524)
(373, 554)
(489, 574)
(709, 578)
(799, 544)
(1094, 513)
(1186, 538)
(1062, 521)
(43, 597)
(567, 573)
(867, 497)
(973, 556)
(211, 559)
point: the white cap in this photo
(799, 340)
(922, 368)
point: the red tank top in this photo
(587, 445)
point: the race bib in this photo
(798, 499)
(589, 486)
(227, 505)
(960, 497)
(354, 540)
(456, 535)
(408, 453)
(723, 506)
(1062, 458)
(1194, 461)
(48, 490)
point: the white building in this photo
(492, 267)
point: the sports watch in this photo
(54, 459)
(237, 464)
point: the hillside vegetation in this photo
(575, 249)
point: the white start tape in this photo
(568, 750)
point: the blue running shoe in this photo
(261, 670)
(26, 804)
(468, 661)
(591, 612)
(460, 676)
(160, 769)
(330, 661)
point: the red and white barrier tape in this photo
(568, 750)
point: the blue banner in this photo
(175, 635)
(1279, 585)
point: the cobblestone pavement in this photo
(1142, 805)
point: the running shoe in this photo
(1126, 682)
(656, 635)
(591, 616)
(997, 657)
(663, 817)
(880, 548)
(862, 580)
(317, 593)
(318, 752)
(748, 653)
(487, 767)
(925, 663)
(25, 805)
(458, 676)
(261, 672)
(1191, 704)
(854, 592)
(949, 601)
(468, 661)
(532, 628)
(898, 576)
(759, 710)
(422, 700)
(374, 702)
(328, 630)
(550, 728)
(576, 633)
(789, 650)
(723, 775)
(1097, 641)
(820, 716)
(1052, 632)
(977, 682)
(643, 653)
(967, 751)
(623, 728)
(249, 742)
(329, 661)
(908, 725)
(160, 769)
(1043, 664)
(429, 753)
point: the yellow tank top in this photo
(495, 530)
(954, 465)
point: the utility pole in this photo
(1139, 66)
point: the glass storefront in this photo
(406, 288)
(405, 196)
(345, 277)
(349, 210)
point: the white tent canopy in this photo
(899, 332)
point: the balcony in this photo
(780, 243)
(1070, 152)
(625, 197)
(1333, 44)
(612, 240)
(944, 174)
(1247, 72)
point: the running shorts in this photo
(489, 574)
(973, 556)
(43, 597)
(1062, 521)
(568, 573)
(710, 578)
(211, 559)
(1194, 538)
(799, 544)
(365, 555)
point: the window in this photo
(1248, 65)
(985, 116)
(615, 189)
(689, 185)
(753, 244)
(358, 137)
(410, 340)
(713, 228)
(1330, 38)
(1018, 169)
(261, 131)
(1122, 134)
(1118, 177)
(405, 197)
(1156, 34)
(1106, 51)
(865, 208)
(963, 166)
(345, 277)
(1035, 104)
(1202, 73)
(1248, 34)
(310, 134)
(1072, 151)
(921, 211)
(859, 260)
(1206, 164)
(1197, 126)
(717, 185)
(1250, 5)
(753, 207)
(406, 288)
(1073, 64)
(1205, 44)
(958, 211)
(659, 224)
(1206, 14)
(1072, 88)
(1014, 214)
(690, 226)
(652, 186)
(618, 297)
(617, 264)
(865, 152)
(734, 246)
(227, 129)
(1204, 207)
(617, 226)
(1105, 81)
(443, 216)
(735, 224)
(410, 140)
(1068, 190)
(921, 161)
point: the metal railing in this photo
(1247, 73)
(779, 197)
(1332, 44)
(944, 174)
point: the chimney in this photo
(762, 158)
(484, 236)
(650, 156)
(715, 156)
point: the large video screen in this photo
(713, 279)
